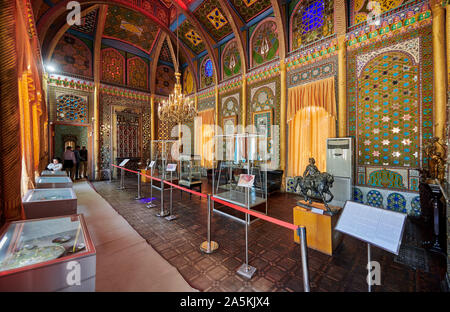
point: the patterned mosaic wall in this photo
(231, 60)
(390, 100)
(164, 80)
(311, 20)
(315, 71)
(265, 96)
(230, 105)
(359, 8)
(113, 66)
(73, 56)
(206, 103)
(69, 106)
(248, 9)
(107, 102)
(264, 42)
(137, 71)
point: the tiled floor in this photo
(271, 249)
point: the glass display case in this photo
(190, 172)
(42, 203)
(51, 254)
(53, 182)
(50, 173)
(164, 152)
(241, 154)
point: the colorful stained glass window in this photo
(208, 68)
(312, 20)
(71, 108)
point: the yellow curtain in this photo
(204, 137)
(311, 120)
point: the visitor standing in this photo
(77, 165)
(69, 162)
(83, 162)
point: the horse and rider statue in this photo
(315, 185)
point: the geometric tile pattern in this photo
(137, 73)
(314, 72)
(165, 54)
(72, 55)
(396, 202)
(72, 108)
(212, 18)
(311, 21)
(374, 198)
(415, 205)
(88, 23)
(190, 37)
(358, 195)
(113, 66)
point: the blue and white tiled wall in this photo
(406, 202)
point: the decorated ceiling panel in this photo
(88, 23)
(190, 36)
(129, 26)
(165, 80)
(249, 9)
(211, 16)
(137, 73)
(73, 56)
(165, 54)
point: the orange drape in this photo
(311, 120)
(204, 137)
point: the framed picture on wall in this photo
(262, 121)
(229, 124)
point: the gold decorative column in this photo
(216, 90)
(447, 32)
(244, 102)
(283, 121)
(10, 142)
(342, 86)
(153, 117)
(440, 71)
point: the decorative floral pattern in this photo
(137, 73)
(231, 60)
(113, 66)
(358, 195)
(374, 198)
(396, 202)
(264, 42)
(73, 56)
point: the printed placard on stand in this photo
(124, 162)
(151, 165)
(375, 226)
(171, 167)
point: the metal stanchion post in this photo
(369, 282)
(151, 204)
(209, 246)
(246, 270)
(162, 213)
(122, 181)
(301, 231)
(171, 216)
(138, 197)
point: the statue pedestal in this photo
(320, 233)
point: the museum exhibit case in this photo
(241, 154)
(49, 254)
(50, 173)
(163, 153)
(190, 172)
(53, 182)
(42, 203)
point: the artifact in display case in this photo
(51, 173)
(51, 254)
(43, 203)
(242, 154)
(53, 182)
(190, 175)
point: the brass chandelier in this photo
(177, 108)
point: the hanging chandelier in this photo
(177, 108)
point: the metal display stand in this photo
(209, 246)
(171, 216)
(122, 174)
(151, 204)
(248, 155)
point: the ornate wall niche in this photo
(264, 43)
(73, 56)
(113, 66)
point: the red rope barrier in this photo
(281, 223)
(284, 224)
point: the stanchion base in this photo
(138, 198)
(246, 271)
(120, 188)
(165, 214)
(171, 217)
(213, 247)
(150, 205)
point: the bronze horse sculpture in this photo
(315, 185)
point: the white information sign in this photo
(152, 163)
(376, 226)
(171, 167)
(124, 162)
